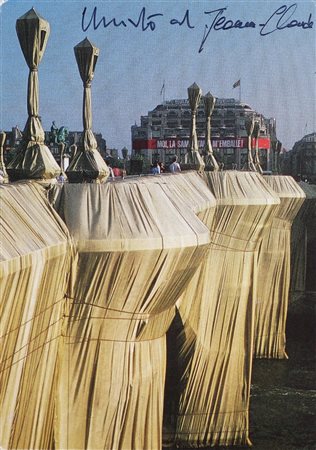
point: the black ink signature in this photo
(185, 20)
(283, 15)
(221, 23)
(281, 19)
(143, 20)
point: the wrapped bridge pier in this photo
(136, 252)
(212, 337)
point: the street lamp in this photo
(249, 128)
(256, 132)
(278, 151)
(35, 160)
(209, 158)
(2, 165)
(64, 157)
(87, 165)
(193, 156)
(124, 154)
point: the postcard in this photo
(145, 59)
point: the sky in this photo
(274, 61)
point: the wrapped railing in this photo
(136, 254)
(274, 270)
(34, 268)
(213, 333)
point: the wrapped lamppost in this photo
(34, 160)
(61, 148)
(193, 156)
(256, 133)
(273, 154)
(124, 154)
(87, 165)
(3, 171)
(73, 151)
(249, 128)
(278, 151)
(64, 157)
(209, 158)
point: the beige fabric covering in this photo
(136, 253)
(215, 323)
(34, 267)
(274, 270)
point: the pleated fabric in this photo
(87, 164)
(303, 246)
(34, 159)
(211, 338)
(189, 190)
(136, 252)
(274, 270)
(84, 314)
(34, 266)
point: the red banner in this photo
(141, 144)
(178, 143)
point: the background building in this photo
(300, 162)
(12, 142)
(14, 138)
(74, 138)
(165, 132)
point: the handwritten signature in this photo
(281, 19)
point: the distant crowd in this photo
(158, 167)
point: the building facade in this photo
(74, 138)
(300, 162)
(164, 132)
